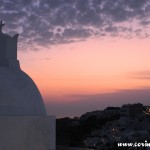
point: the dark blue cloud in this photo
(76, 19)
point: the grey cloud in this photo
(111, 29)
(76, 33)
(145, 22)
(76, 18)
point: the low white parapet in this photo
(27, 133)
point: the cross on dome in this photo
(1, 25)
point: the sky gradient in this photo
(83, 55)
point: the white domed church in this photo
(24, 123)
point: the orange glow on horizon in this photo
(88, 67)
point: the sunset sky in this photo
(84, 55)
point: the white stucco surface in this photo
(24, 124)
(27, 133)
(19, 95)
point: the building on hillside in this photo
(112, 110)
(147, 110)
(129, 112)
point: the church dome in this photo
(18, 94)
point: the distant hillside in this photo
(72, 132)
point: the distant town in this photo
(104, 129)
